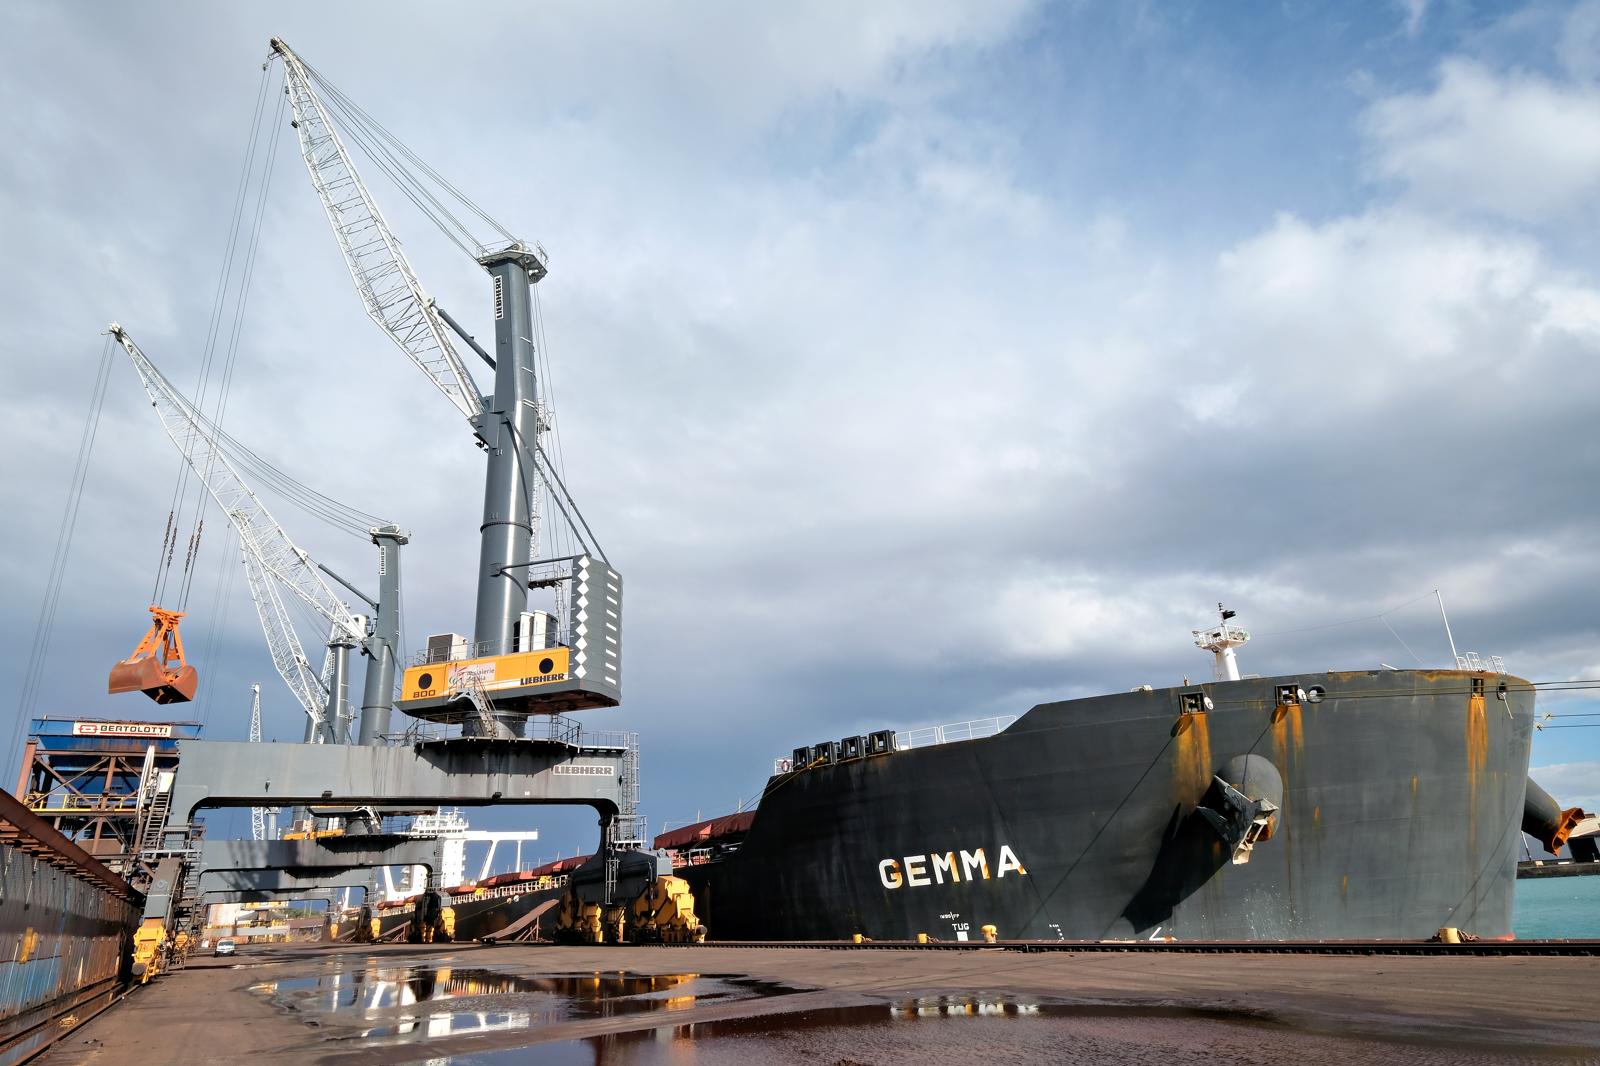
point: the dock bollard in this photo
(991, 934)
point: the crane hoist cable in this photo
(373, 135)
(219, 304)
(44, 628)
(280, 573)
(263, 186)
(216, 618)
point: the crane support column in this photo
(339, 714)
(377, 695)
(509, 427)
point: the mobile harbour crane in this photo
(517, 663)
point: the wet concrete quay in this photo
(468, 1005)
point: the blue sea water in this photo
(1554, 907)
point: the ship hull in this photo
(475, 918)
(1399, 813)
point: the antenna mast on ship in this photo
(1220, 640)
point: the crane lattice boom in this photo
(258, 815)
(393, 296)
(272, 561)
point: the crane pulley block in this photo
(157, 667)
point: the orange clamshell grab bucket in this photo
(156, 666)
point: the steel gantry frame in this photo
(470, 772)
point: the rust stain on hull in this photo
(1287, 733)
(1477, 735)
(1191, 764)
(1477, 759)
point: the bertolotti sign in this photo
(122, 729)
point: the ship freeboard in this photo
(1366, 804)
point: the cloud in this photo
(1393, 301)
(1578, 45)
(1516, 144)
(1573, 784)
(1414, 11)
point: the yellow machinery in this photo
(527, 681)
(318, 834)
(665, 913)
(580, 922)
(148, 942)
(549, 669)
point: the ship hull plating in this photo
(1397, 814)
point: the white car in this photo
(225, 946)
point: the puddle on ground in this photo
(381, 1004)
(404, 1007)
(992, 1030)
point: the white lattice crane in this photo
(274, 564)
(258, 815)
(389, 288)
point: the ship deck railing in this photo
(976, 729)
(926, 737)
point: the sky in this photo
(914, 363)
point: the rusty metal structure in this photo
(97, 781)
(67, 923)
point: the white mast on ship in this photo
(1220, 640)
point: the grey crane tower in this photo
(509, 427)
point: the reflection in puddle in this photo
(990, 1029)
(384, 1003)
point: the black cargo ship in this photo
(1373, 804)
(477, 911)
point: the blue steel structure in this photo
(84, 776)
(66, 933)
